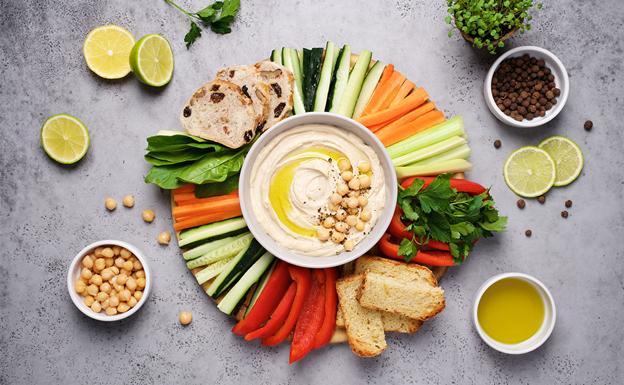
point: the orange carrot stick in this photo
(395, 124)
(415, 99)
(385, 76)
(394, 83)
(190, 198)
(205, 219)
(394, 135)
(186, 188)
(392, 95)
(405, 90)
(226, 204)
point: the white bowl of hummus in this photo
(318, 190)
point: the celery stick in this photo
(461, 152)
(455, 165)
(437, 133)
(429, 151)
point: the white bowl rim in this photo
(72, 276)
(512, 348)
(371, 239)
(550, 115)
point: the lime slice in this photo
(64, 138)
(567, 156)
(107, 51)
(151, 60)
(529, 172)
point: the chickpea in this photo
(92, 290)
(341, 227)
(114, 269)
(353, 194)
(107, 252)
(344, 164)
(86, 281)
(113, 301)
(351, 220)
(364, 166)
(138, 295)
(127, 265)
(99, 264)
(96, 279)
(365, 181)
(88, 301)
(111, 310)
(136, 265)
(164, 238)
(365, 215)
(110, 204)
(332, 207)
(123, 307)
(186, 317)
(140, 274)
(80, 287)
(87, 262)
(101, 296)
(131, 284)
(106, 288)
(352, 203)
(322, 234)
(329, 222)
(98, 252)
(335, 198)
(116, 249)
(105, 304)
(126, 272)
(349, 245)
(362, 201)
(121, 279)
(359, 226)
(119, 262)
(141, 283)
(86, 273)
(148, 215)
(124, 295)
(341, 215)
(119, 288)
(96, 307)
(353, 211)
(108, 262)
(342, 189)
(344, 203)
(107, 274)
(347, 175)
(128, 201)
(337, 237)
(125, 254)
(354, 184)
(132, 302)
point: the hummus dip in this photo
(295, 175)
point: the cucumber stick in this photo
(312, 60)
(210, 231)
(235, 268)
(354, 85)
(327, 71)
(276, 56)
(341, 78)
(261, 284)
(372, 78)
(251, 276)
(211, 271)
(291, 61)
(226, 251)
(210, 246)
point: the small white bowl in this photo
(550, 316)
(74, 274)
(561, 80)
(367, 242)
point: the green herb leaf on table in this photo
(193, 34)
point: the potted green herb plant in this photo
(488, 23)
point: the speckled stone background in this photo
(49, 212)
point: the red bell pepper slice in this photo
(310, 319)
(461, 185)
(398, 230)
(326, 331)
(431, 258)
(278, 317)
(303, 279)
(267, 301)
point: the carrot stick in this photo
(394, 135)
(205, 219)
(416, 98)
(395, 81)
(190, 198)
(390, 97)
(405, 90)
(226, 204)
(392, 125)
(183, 189)
(385, 76)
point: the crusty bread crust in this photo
(247, 77)
(281, 82)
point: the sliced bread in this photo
(414, 297)
(280, 81)
(247, 77)
(221, 112)
(395, 269)
(365, 332)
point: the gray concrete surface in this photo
(50, 212)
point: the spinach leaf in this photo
(214, 167)
(214, 189)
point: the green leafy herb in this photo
(217, 16)
(441, 213)
(214, 189)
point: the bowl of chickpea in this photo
(109, 280)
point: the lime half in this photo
(107, 51)
(64, 138)
(567, 156)
(151, 60)
(529, 172)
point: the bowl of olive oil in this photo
(514, 313)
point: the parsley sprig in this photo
(441, 213)
(218, 16)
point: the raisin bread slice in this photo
(248, 78)
(221, 112)
(280, 81)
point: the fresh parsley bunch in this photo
(218, 16)
(441, 213)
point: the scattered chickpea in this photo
(337, 237)
(341, 215)
(365, 215)
(354, 184)
(341, 227)
(322, 234)
(87, 262)
(164, 238)
(365, 181)
(349, 245)
(110, 204)
(347, 175)
(329, 222)
(344, 164)
(186, 317)
(351, 220)
(364, 166)
(128, 201)
(148, 215)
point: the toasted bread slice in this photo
(339, 336)
(414, 297)
(247, 77)
(391, 322)
(395, 269)
(221, 112)
(280, 81)
(364, 327)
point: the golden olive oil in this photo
(511, 311)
